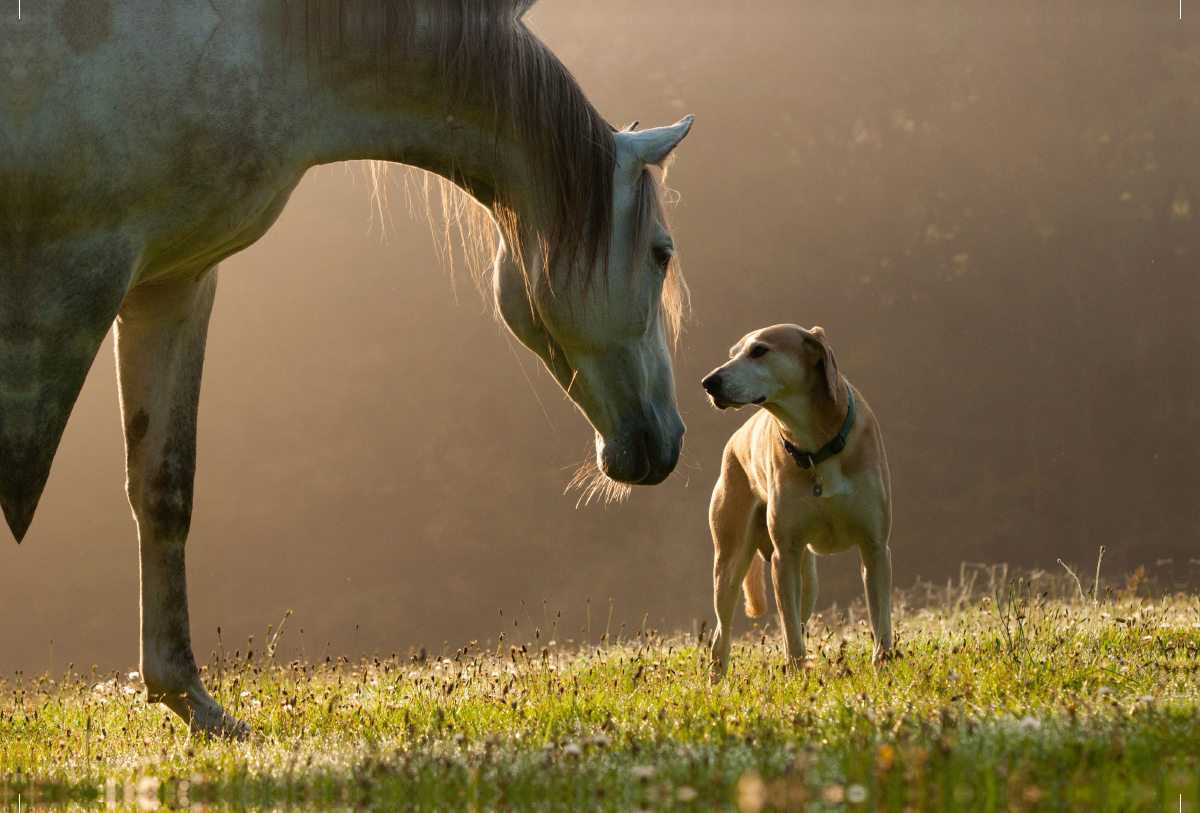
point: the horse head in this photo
(605, 333)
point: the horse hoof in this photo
(229, 728)
(205, 717)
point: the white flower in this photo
(1030, 724)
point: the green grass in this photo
(1014, 701)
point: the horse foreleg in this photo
(161, 332)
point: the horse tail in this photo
(755, 587)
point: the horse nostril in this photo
(712, 383)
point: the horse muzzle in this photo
(642, 456)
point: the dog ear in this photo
(825, 359)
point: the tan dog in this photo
(772, 501)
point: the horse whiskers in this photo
(595, 484)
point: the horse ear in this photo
(824, 357)
(654, 146)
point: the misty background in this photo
(990, 207)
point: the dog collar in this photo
(809, 460)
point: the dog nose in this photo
(712, 383)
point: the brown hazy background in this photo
(991, 207)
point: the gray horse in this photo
(142, 142)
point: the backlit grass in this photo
(1012, 699)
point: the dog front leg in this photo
(808, 584)
(877, 578)
(728, 572)
(785, 573)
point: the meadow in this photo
(1027, 693)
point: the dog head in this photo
(772, 364)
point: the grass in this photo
(1007, 698)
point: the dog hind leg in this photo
(755, 584)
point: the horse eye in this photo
(758, 351)
(663, 256)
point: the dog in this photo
(805, 475)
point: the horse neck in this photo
(386, 102)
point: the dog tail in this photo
(756, 587)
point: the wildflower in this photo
(887, 755)
(750, 792)
(686, 794)
(147, 786)
(643, 773)
(1030, 724)
(856, 794)
(573, 750)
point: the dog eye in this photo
(758, 351)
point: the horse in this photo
(142, 143)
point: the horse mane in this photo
(493, 69)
